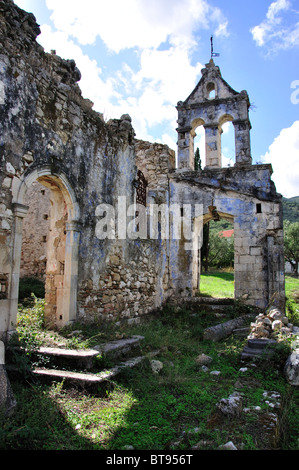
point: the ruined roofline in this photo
(224, 179)
(21, 19)
(204, 73)
(18, 33)
(230, 169)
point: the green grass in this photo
(217, 284)
(172, 410)
(292, 299)
(292, 285)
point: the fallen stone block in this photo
(222, 330)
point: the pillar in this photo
(68, 312)
(20, 212)
(213, 146)
(242, 142)
(185, 144)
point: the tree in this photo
(217, 251)
(291, 244)
(197, 160)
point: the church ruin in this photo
(53, 145)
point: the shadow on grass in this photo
(38, 423)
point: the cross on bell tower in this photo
(213, 54)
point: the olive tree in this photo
(291, 244)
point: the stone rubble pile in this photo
(272, 325)
(275, 326)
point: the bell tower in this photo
(212, 103)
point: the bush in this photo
(31, 285)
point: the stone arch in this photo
(63, 198)
(197, 122)
(224, 119)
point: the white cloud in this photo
(283, 154)
(135, 23)
(276, 31)
(148, 95)
(165, 77)
(91, 84)
(150, 91)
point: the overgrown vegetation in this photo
(29, 286)
(292, 299)
(173, 410)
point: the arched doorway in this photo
(61, 246)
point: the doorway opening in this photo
(46, 245)
(216, 259)
(43, 246)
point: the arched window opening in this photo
(211, 91)
(228, 144)
(197, 145)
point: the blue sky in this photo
(143, 56)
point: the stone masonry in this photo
(52, 140)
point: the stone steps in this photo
(82, 358)
(84, 378)
(80, 366)
(258, 348)
(199, 304)
(118, 348)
